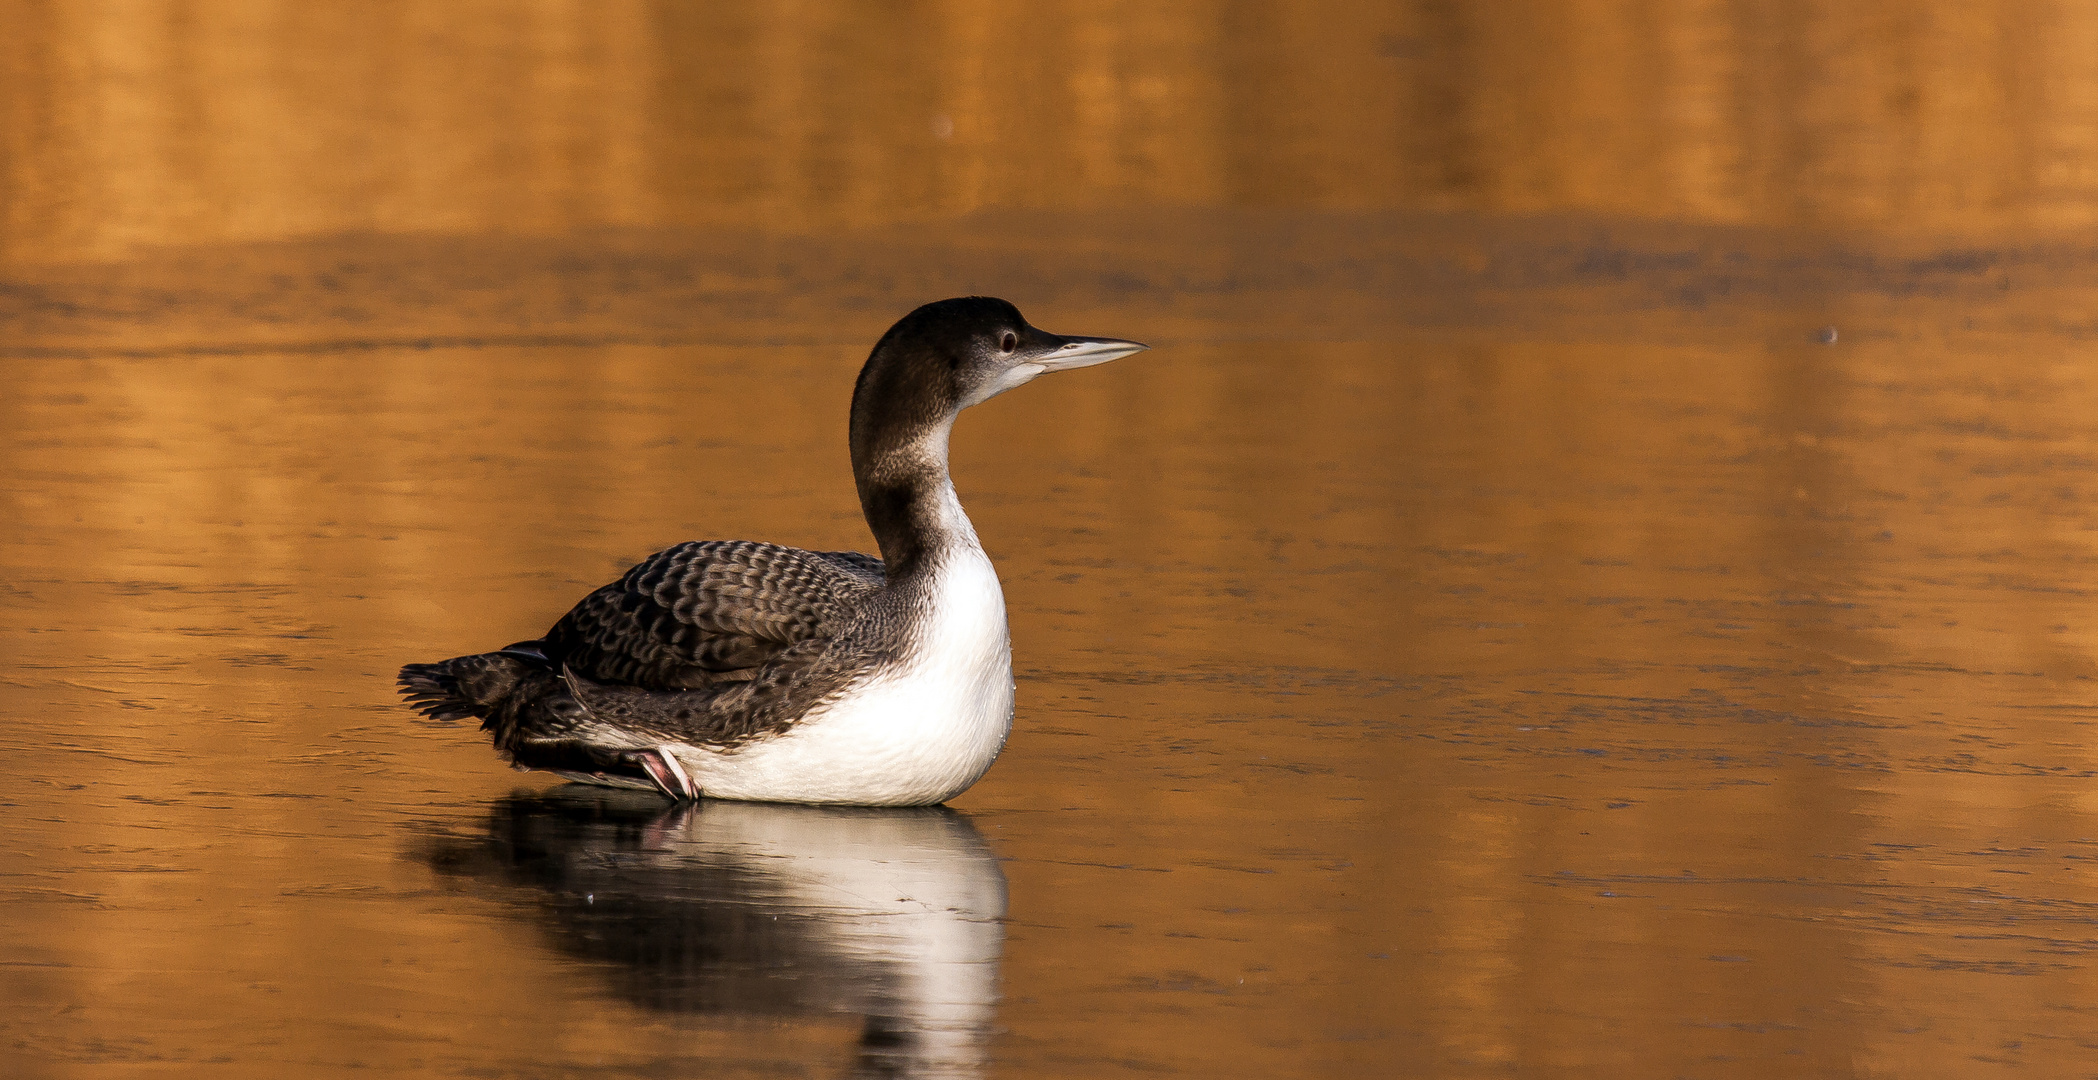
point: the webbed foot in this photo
(670, 777)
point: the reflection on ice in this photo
(757, 910)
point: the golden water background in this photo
(131, 122)
(1493, 632)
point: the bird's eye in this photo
(1008, 341)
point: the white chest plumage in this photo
(917, 732)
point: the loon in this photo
(744, 670)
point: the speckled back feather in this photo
(709, 612)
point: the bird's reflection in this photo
(749, 909)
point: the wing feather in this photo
(709, 612)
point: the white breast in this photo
(918, 733)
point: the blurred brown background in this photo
(130, 123)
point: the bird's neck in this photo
(911, 506)
(899, 461)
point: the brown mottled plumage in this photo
(711, 611)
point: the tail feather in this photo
(467, 686)
(434, 692)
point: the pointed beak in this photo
(1078, 352)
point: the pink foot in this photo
(663, 768)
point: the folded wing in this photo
(710, 612)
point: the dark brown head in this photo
(935, 362)
(947, 356)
